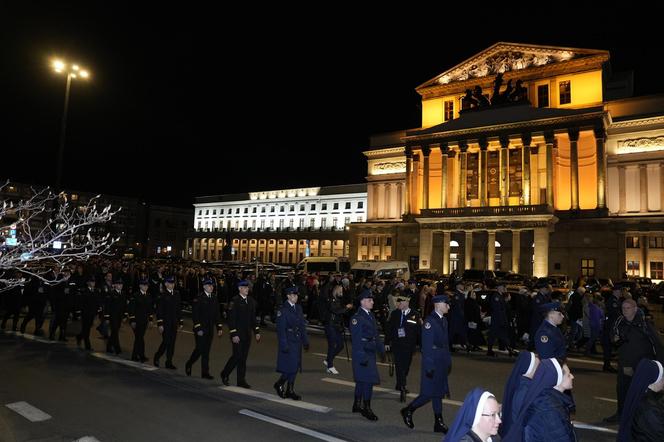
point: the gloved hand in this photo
(429, 374)
(387, 348)
(199, 332)
(364, 363)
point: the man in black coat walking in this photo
(206, 317)
(140, 314)
(169, 319)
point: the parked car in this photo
(474, 275)
(515, 281)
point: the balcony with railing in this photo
(540, 209)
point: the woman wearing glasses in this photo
(477, 420)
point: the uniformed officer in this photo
(366, 343)
(14, 301)
(332, 313)
(401, 337)
(140, 314)
(436, 365)
(90, 304)
(169, 319)
(241, 322)
(115, 307)
(62, 301)
(500, 327)
(543, 296)
(458, 325)
(292, 336)
(35, 297)
(206, 317)
(549, 340)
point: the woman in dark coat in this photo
(642, 419)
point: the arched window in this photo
(454, 244)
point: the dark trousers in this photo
(139, 341)
(500, 337)
(113, 343)
(436, 403)
(335, 343)
(86, 325)
(403, 356)
(290, 377)
(202, 350)
(622, 386)
(167, 344)
(363, 390)
(239, 359)
(35, 312)
(59, 322)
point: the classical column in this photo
(526, 139)
(550, 139)
(387, 203)
(573, 133)
(426, 151)
(622, 191)
(504, 171)
(195, 248)
(516, 250)
(483, 171)
(468, 253)
(320, 247)
(491, 250)
(661, 187)
(409, 165)
(446, 253)
(186, 248)
(415, 191)
(380, 198)
(645, 256)
(400, 209)
(381, 247)
(541, 252)
(444, 148)
(285, 251)
(643, 187)
(600, 136)
(426, 246)
(463, 172)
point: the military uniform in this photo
(241, 323)
(550, 342)
(62, 302)
(90, 304)
(169, 316)
(35, 297)
(140, 313)
(206, 317)
(537, 301)
(115, 307)
(500, 327)
(403, 335)
(292, 336)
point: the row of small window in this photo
(654, 242)
(282, 223)
(656, 269)
(565, 97)
(375, 241)
(283, 241)
(335, 206)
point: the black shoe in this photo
(290, 393)
(609, 369)
(244, 384)
(407, 414)
(51, 337)
(207, 376)
(155, 361)
(187, 369)
(368, 412)
(612, 419)
(170, 366)
(491, 353)
(403, 394)
(279, 387)
(439, 425)
(135, 359)
(224, 380)
(357, 405)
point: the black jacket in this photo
(90, 302)
(205, 313)
(169, 309)
(242, 317)
(636, 340)
(648, 421)
(412, 327)
(140, 308)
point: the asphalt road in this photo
(105, 398)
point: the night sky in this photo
(191, 101)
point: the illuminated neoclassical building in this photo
(557, 169)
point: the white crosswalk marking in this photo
(87, 439)
(275, 398)
(585, 426)
(606, 399)
(288, 425)
(124, 361)
(33, 414)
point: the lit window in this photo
(657, 269)
(588, 267)
(565, 88)
(543, 95)
(632, 242)
(633, 268)
(449, 110)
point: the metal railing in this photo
(540, 209)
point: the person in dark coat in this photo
(401, 338)
(542, 296)
(366, 343)
(642, 418)
(458, 324)
(206, 318)
(613, 311)
(549, 340)
(292, 337)
(332, 313)
(241, 324)
(516, 387)
(473, 315)
(545, 413)
(499, 328)
(140, 310)
(62, 302)
(436, 365)
(14, 301)
(169, 320)
(477, 420)
(115, 308)
(91, 305)
(35, 297)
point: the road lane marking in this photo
(606, 399)
(277, 399)
(87, 439)
(585, 426)
(29, 412)
(288, 425)
(124, 361)
(32, 337)
(384, 364)
(384, 390)
(585, 361)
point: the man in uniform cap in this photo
(90, 305)
(206, 318)
(436, 364)
(140, 314)
(549, 340)
(366, 343)
(115, 307)
(542, 296)
(241, 322)
(169, 319)
(401, 337)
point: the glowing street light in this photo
(73, 71)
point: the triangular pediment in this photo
(506, 57)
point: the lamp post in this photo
(73, 72)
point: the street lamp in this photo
(73, 72)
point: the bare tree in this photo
(50, 233)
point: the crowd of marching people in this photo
(388, 319)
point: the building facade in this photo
(167, 231)
(531, 159)
(280, 226)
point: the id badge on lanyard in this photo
(401, 332)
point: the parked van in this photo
(380, 270)
(324, 264)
